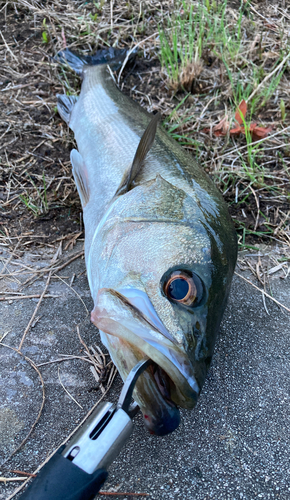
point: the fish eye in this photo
(183, 288)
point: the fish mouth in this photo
(133, 329)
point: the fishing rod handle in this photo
(60, 479)
(78, 470)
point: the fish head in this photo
(160, 274)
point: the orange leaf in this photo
(236, 131)
(219, 133)
(241, 110)
(252, 127)
(222, 124)
(260, 133)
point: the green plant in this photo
(282, 109)
(45, 37)
(241, 90)
(178, 49)
(38, 205)
(211, 6)
(268, 90)
(99, 5)
(187, 33)
(94, 17)
(29, 204)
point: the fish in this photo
(160, 246)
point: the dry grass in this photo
(239, 61)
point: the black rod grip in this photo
(60, 479)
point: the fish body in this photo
(160, 246)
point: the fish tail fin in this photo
(65, 105)
(113, 57)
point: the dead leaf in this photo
(241, 112)
(222, 128)
(260, 133)
(252, 127)
(236, 131)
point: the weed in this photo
(178, 50)
(38, 205)
(211, 6)
(183, 41)
(94, 17)
(282, 109)
(45, 37)
(29, 204)
(240, 89)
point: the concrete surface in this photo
(234, 445)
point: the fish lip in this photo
(141, 334)
(143, 306)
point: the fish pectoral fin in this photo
(65, 105)
(143, 149)
(80, 176)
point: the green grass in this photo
(38, 203)
(194, 30)
(187, 33)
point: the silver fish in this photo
(160, 246)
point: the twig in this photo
(116, 493)
(35, 296)
(41, 272)
(113, 374)
(73, 290)
(85, 345)
(35, 311)
(21, 472)
(42, 404)
(68, 393)
(9, 479)
(8, 143)
(263, 291)
(112, 14)
(6, 132)
(130, 52)
(7, 47)
(9, 260)
(258, 14)
(4, 335)
(76, 256)
(94, 368)
(64, 359)
(73, 240)
(265, 305)
(254, 143)
(258, 207)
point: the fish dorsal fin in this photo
(143, 149)
(80, 176)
